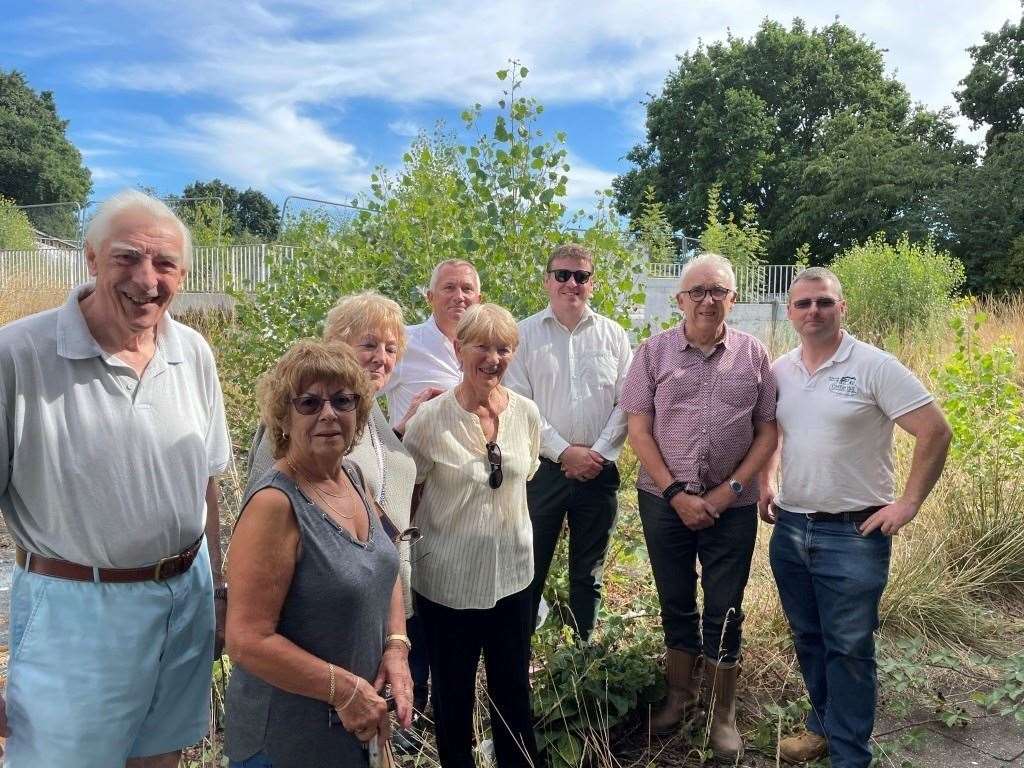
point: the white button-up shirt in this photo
(429, 361)
(575, 377)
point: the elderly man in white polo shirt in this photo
(572, 362)
(111, 432)
(836, 509)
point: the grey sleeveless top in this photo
(336, 608)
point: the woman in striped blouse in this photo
(475, 447)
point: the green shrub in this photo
(896, 289)
(15, 229)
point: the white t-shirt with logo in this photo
(837, 426)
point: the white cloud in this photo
(407, 128)
(585, 182)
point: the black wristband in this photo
(673, 489)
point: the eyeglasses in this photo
(311, 405)
(823, 302)
(718, 293)
(494, 459)
(581, 276)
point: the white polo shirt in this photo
(837, 427)
(429, 361)
(98, 466)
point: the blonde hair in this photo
(365, 312)
(310, 361)
(489, 323)
(570, 251)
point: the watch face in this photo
(737, 486)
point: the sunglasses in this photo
(494, 459)
(581, 276)
(718, 293)
(311, 405)
(823, 303)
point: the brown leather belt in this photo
(175, 565)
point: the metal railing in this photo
(765, 283)
(213, 268)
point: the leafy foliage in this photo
(496, 200)
(653, 231)
(248, 216)
(893, 290)
(15, 229)
(38, 164)
(993, 91)
(742, 242)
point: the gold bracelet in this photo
(395, 637)
(330, 694)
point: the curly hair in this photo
(310, 361)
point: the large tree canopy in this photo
(993, 91)
(248, 214)
(793, 120)
(38, 164)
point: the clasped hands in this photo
(698, 512)
(580, 462)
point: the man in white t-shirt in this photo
(836, 509)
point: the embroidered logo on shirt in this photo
(842, 385)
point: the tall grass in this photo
(20, 295)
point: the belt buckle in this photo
(158, 568)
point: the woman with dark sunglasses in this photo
(316, 621)
(475, 447)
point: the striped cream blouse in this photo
(477, 544)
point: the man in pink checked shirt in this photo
(700, 400)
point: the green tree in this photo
(653, 232)
(15, 229)
(38, 163)
(741, 241)
(868, 178)
(993, 92)
(983, 212)
(248, 215)
(749, 115)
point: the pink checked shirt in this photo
(704, 408)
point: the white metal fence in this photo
(765, 284)
(213, 269)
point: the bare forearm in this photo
(396, 615)
(213, 530)
(650, 458)
(280, 662)
(925, 467)
(761, 451)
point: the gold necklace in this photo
(321, 495)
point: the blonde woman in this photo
(475, 447)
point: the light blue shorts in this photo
(99, 673)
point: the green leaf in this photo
(502, 74)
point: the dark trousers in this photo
(591, 507)
(830, 580)
(455, 638)
(724, 551)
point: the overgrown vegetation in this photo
(16, 232)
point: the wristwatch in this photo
(736, 486)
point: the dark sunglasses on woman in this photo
(494, 459)
(579, 275)
(310, 405)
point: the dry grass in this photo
(20, 296)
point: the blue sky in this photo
(307, 96)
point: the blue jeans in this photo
(830, 581)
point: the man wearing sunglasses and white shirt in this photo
(836, 509)
(571, 362)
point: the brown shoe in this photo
(682, 674)
(803, 747)
(720, 691)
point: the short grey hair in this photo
(708, 260)
(436, 274)
(134, 200)
(818, 275)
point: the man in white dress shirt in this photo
(572, 362)
(429, 366)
